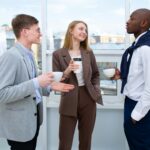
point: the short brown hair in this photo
(68, 40)
(22, 21)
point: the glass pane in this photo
(108, 86)
(140, 4)
(105, 19)
(11, 8)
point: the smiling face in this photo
(79, 32)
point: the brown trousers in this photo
(86, 121)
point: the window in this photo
(140, 4)
(108, 86)
(134, 5)
(106, 22)
(10, 9)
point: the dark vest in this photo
(125, 63)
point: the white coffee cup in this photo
(110, 72)
(78, 61)
(57, 76)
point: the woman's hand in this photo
(72, 67)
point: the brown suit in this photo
(80, 97)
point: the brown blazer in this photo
(69, 101)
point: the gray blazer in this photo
(18, 109)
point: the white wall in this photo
(108, 133)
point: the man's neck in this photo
(136, 35)
(25, 43)
(137, 38)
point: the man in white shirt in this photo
(135, 76)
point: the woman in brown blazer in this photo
(79, 105)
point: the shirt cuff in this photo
(49, 89)
(36, 83)
(136, 116)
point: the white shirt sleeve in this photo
(143, 105)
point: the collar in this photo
(136, 40)
(26, 50)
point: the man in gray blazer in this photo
(21, 88)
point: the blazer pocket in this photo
(94, 91)
(97, 88)
(15, 109)
(27, 96)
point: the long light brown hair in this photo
(68, 37)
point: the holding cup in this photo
(78, 61)
(57, 76)
(109, 72)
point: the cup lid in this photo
(77, 59)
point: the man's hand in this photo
(133, 121)
(61, 87)
(45, 79)
(117, 75)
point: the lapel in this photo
(85, 62)
(25, 58)
(66, 56)
(35, 67)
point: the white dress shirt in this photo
(138, 82)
